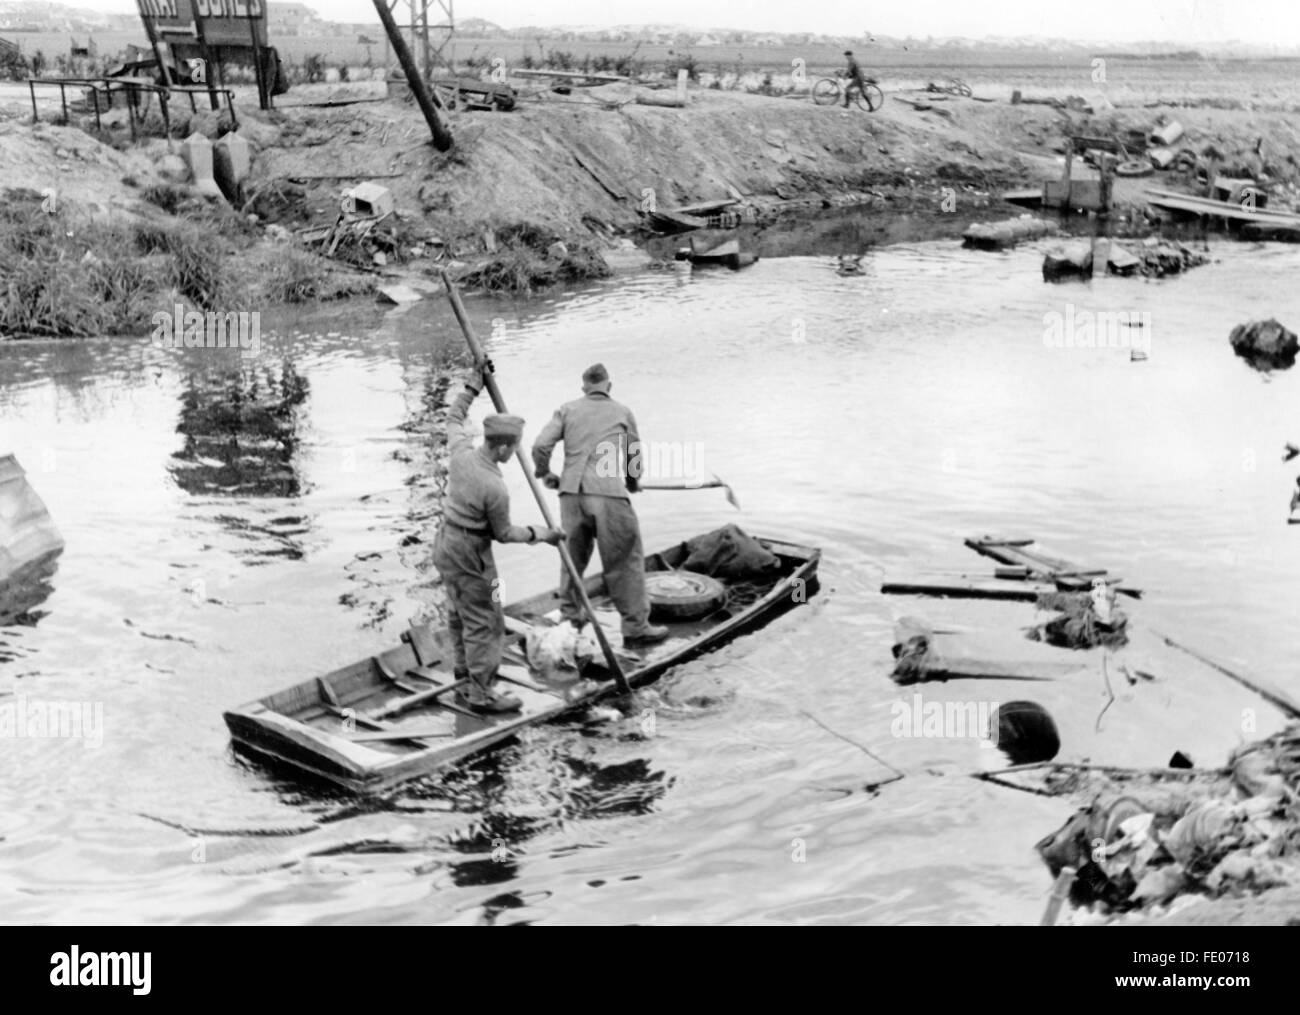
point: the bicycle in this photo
(829, 91)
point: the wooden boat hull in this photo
(28, 536)
(674, 222)
(312, 727)
(726, 255)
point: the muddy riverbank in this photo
(580, 174)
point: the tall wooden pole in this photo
(209, 65)
(490, 382)
(259, 71)
(441, 136)
(152, 32)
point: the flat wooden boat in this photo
(726, 254)
(668, 221)
(394, 716)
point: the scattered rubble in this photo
(1142, 842)
(1266, 344)
(1152, 258)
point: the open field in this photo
(1123, 80)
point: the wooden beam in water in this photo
(964, 587)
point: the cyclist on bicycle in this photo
(855, 79)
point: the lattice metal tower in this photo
(432, 42)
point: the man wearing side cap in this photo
(601, 465)
(476, 511)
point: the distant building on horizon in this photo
(294, 19)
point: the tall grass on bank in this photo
(64, 274)
(522, 264)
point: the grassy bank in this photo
(528, 260)
(67, 273)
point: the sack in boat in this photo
(729, 554)
(560, 647)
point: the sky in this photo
(1190, 21)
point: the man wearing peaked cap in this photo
(476, 511)
(602, 456)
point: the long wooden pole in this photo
(151, 31)
(1274, 695)
(490, 382)
(441, 136)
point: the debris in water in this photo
(1267, 345)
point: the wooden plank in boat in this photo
(333, 748)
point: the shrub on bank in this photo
(524, 263)
(65, 274)
(194, 268)
(61, 275)
(13, 65)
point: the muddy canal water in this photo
(882, 417)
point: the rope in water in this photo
(861, 747)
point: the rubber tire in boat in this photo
(683, 595)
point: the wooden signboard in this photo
(214, 22)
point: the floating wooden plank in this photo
(1065, 574)
(1017, 551)
(986, 655)
(1271, 693)
(965, 587)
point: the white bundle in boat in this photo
(560, 647)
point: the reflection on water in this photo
(21, 597)
(882, 417)
(241, 433)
